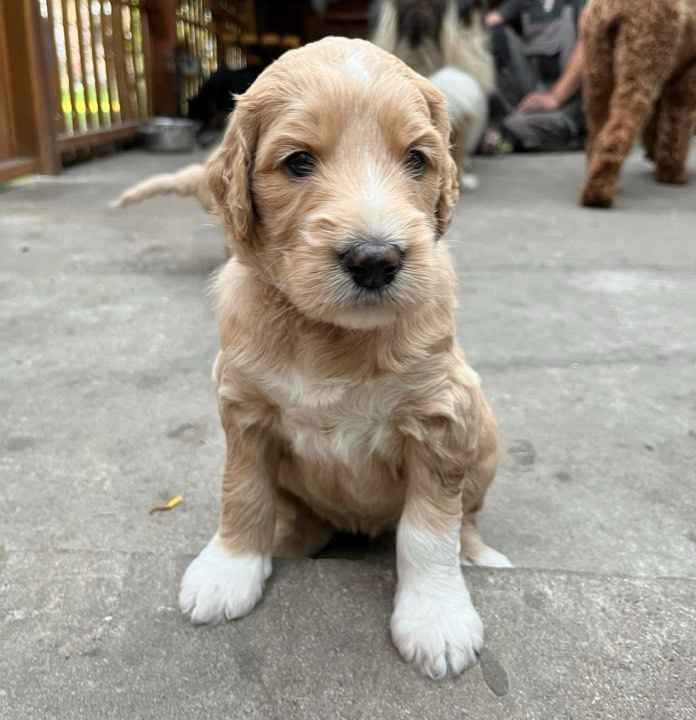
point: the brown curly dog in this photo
(640, 58)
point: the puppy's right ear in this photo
(229, 171)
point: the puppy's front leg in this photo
(435, 625)
(226, 580)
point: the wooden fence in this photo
(80, 73)
(100, 68)
(73, 74)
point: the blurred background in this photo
(78, 77)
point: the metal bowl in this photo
(163, 134)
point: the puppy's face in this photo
(335, 181)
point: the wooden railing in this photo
(81, 73)
(100, 65)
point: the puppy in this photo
(446, 41)
(640, 73)
(214, 101)
(345, 399)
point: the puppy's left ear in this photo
(449, 177)
(449, 194)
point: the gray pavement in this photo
(582, 325)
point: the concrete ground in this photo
(582, 325)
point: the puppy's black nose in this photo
(372, 264)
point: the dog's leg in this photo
(226, 580)
(650, 133)
(299, 532)
(473, 550)
(637, 79)
(435, 625)
(675, 128)
(460, 153)
(596, 96)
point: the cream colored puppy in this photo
(345, 399)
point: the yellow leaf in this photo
(171, 503)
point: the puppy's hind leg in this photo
(473, 551)
(299, 532)
(674, 129)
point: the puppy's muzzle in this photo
(372, 264)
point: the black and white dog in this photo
(446, 41)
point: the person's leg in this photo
(516, 75)
(547, 131)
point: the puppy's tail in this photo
(188, 182)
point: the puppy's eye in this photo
(415, 163)
(299, 164)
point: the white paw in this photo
(438, 630)
(219, 585)
(469, 181)
(488, 557)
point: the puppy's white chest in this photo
(337, 421)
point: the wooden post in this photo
(117, 47)
(147, 53)
(44, 98)
(34, 106)
(162, 32)
(69, 66)
(108, 40)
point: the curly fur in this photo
(640, 60)
(340, 409)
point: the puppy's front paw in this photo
(220, 585)
(437, 629)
